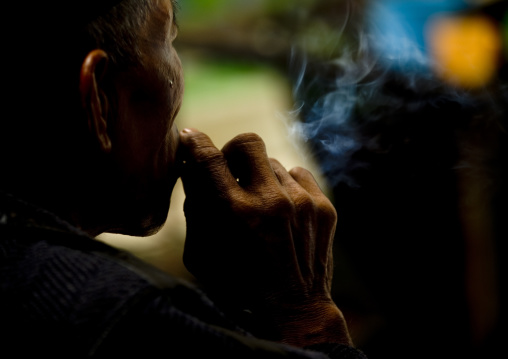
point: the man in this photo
(92, 147)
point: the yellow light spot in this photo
(466, 49)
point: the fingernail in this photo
(187, 130)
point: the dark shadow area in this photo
(422, 204)
(419, 172)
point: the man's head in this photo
(92, 134)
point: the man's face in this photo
(145, 138)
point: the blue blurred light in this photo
(397, 29)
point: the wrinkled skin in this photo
(131, 113)
(262, 243)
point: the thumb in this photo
(204, 164)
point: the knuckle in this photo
(275, 163)
(281, 204)
(300, 172)
(316, 205)
(248, 137)
(245, 141)
(305, 203)
(273, 204)
(326, 210)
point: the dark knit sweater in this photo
(64, 294)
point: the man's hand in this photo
(260, 238)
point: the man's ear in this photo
(93, 97)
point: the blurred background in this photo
(399, 109)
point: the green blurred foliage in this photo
(206, 12)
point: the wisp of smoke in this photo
(359, 87)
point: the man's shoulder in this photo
(60, 272)
(36, 243)
(46, 253)
(61, 284)
(55, 267)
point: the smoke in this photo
(348, 98)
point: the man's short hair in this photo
(41, 70)
(117, 31)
